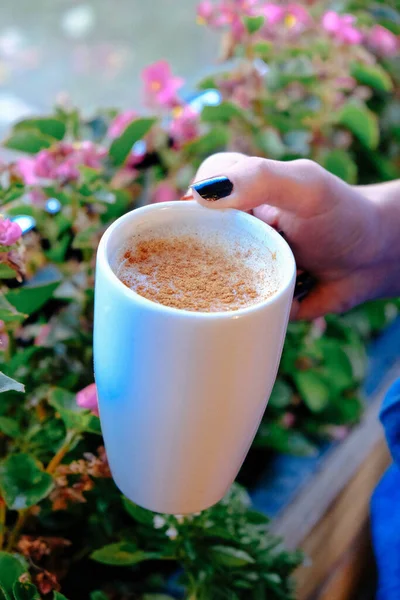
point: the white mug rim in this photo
(178, 205)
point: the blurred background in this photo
(93, 51)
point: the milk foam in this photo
(247, 252)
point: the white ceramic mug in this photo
(181, 394)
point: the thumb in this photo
(243, 182)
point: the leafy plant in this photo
(296, 82)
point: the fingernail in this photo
(304, 284)
(213, 189)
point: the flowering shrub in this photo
(296, 80)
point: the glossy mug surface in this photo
(181, 394)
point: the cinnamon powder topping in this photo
(188, 273)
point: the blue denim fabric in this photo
(385, 505)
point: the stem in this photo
(2, 521)
(61, 452)
(20, 522)
(51, 467)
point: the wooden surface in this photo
(354, 575)
(329, 518)
(337, 532)
(298, 519)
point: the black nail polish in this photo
(213, 189)
(304, 284)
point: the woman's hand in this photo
(335, 231)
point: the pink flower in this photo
(9, 232)
(296, 14)
(87, 398)
(160, 85)
(231, 13)
(27, 170)
(341, 27)
(293, 14)
(36, 196)
(164, 192)
(242, 96)
(88, 154)
(205, 12)
(345, 82)
(61, 162)
(120, 123)
(319, 325)
(288, 420)
(383, 41)
(4, 339)
(184, 126)
(43, 334)
(337, 432)
(273, 13)
(228, 13)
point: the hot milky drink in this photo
(196, 270)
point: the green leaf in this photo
(340, 163)
(214, 140)
(299, 445)
(9, 427)
(23, 483)
(58, 251)
(362, 122)
(98, 595)
(219, 531)
(283, 440)
(47, 126)
(8, 312)
(58, 596)
(281, 394)
(138, 513)
(336, 364)
(74, 417)
(372, 75)
(313, 388)
(344, 411)
(121, 146)
(222, 113)
(27, 141)
(8, 384)
(273, 578)
(299, 68)
(88, 174)
(25, 591)
(207, 83)
(263, 48)
(283, 123)
(387, 168)
(270, 143)
(253, 24)
(123, 554)
(30, 297)
(230, 557)
(3, 595)
(6, 272)
(391, 24)
(86, 238)
(12, 566)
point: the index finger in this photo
(245, 182)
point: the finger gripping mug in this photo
(181, 393)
